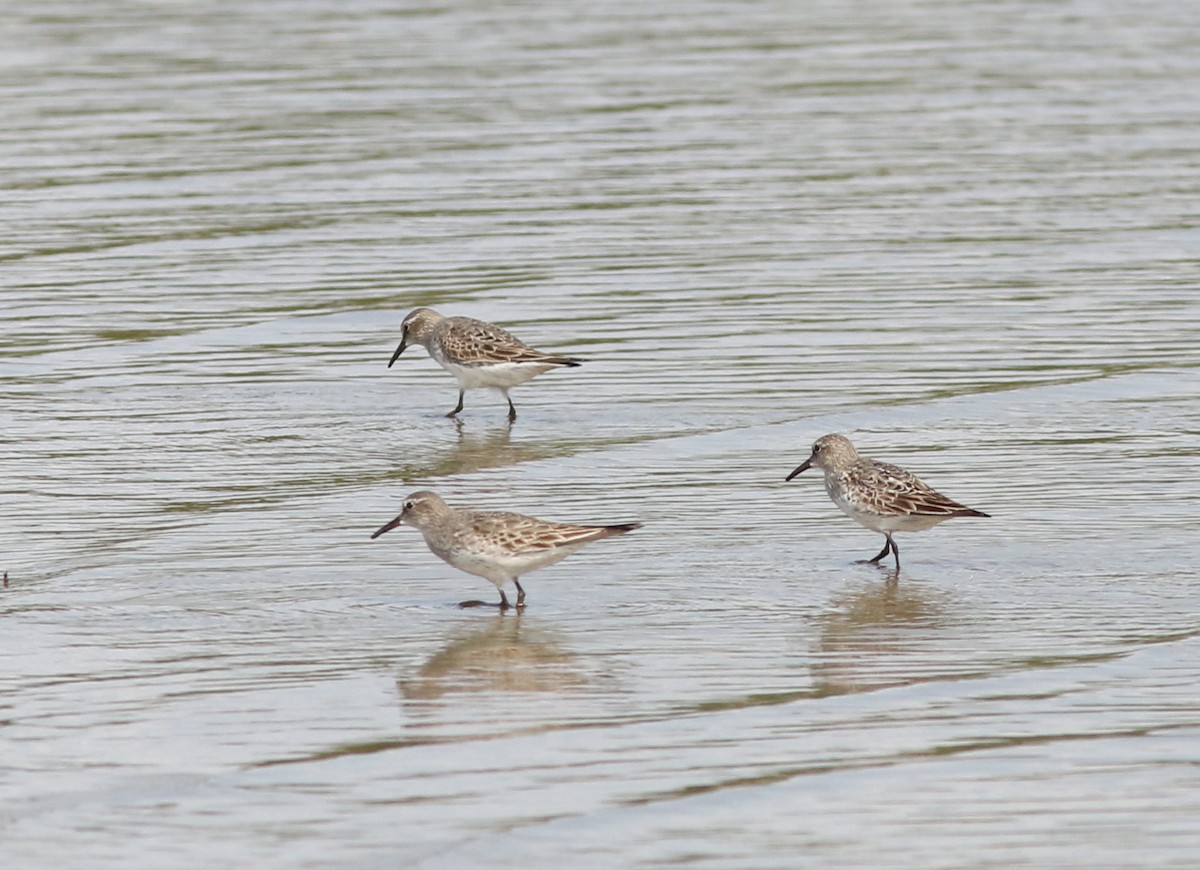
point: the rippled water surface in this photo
(964, 234)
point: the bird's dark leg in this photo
(896, 553)
(887, 548)
(504, 605)
(457, 407)
(512, 410)
(520, 593)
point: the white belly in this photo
(503, 569)
(499, 376)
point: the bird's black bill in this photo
(386, 528)
(804, 466)
(399, 350)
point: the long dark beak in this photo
(387, 527)
(804, 466)
(399, 350)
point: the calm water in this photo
(964, 234)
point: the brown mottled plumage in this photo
(478, 354)
(496, 545)
(882, 497)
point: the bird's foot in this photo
(478, 603)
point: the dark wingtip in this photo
(570, 362)
(622, 528)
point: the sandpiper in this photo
(496, 545)
(478, 354)
(882, 497)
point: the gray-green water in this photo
(964, 233)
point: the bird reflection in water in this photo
(877, 636)
(488, 447)
(503, 656)
(478, 448)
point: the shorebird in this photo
(496, 545)
(882, 497)
(478, 354)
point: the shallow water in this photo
(963, 234)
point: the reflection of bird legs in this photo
(889, 546)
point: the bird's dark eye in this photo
(816, 448)
(408, 505)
